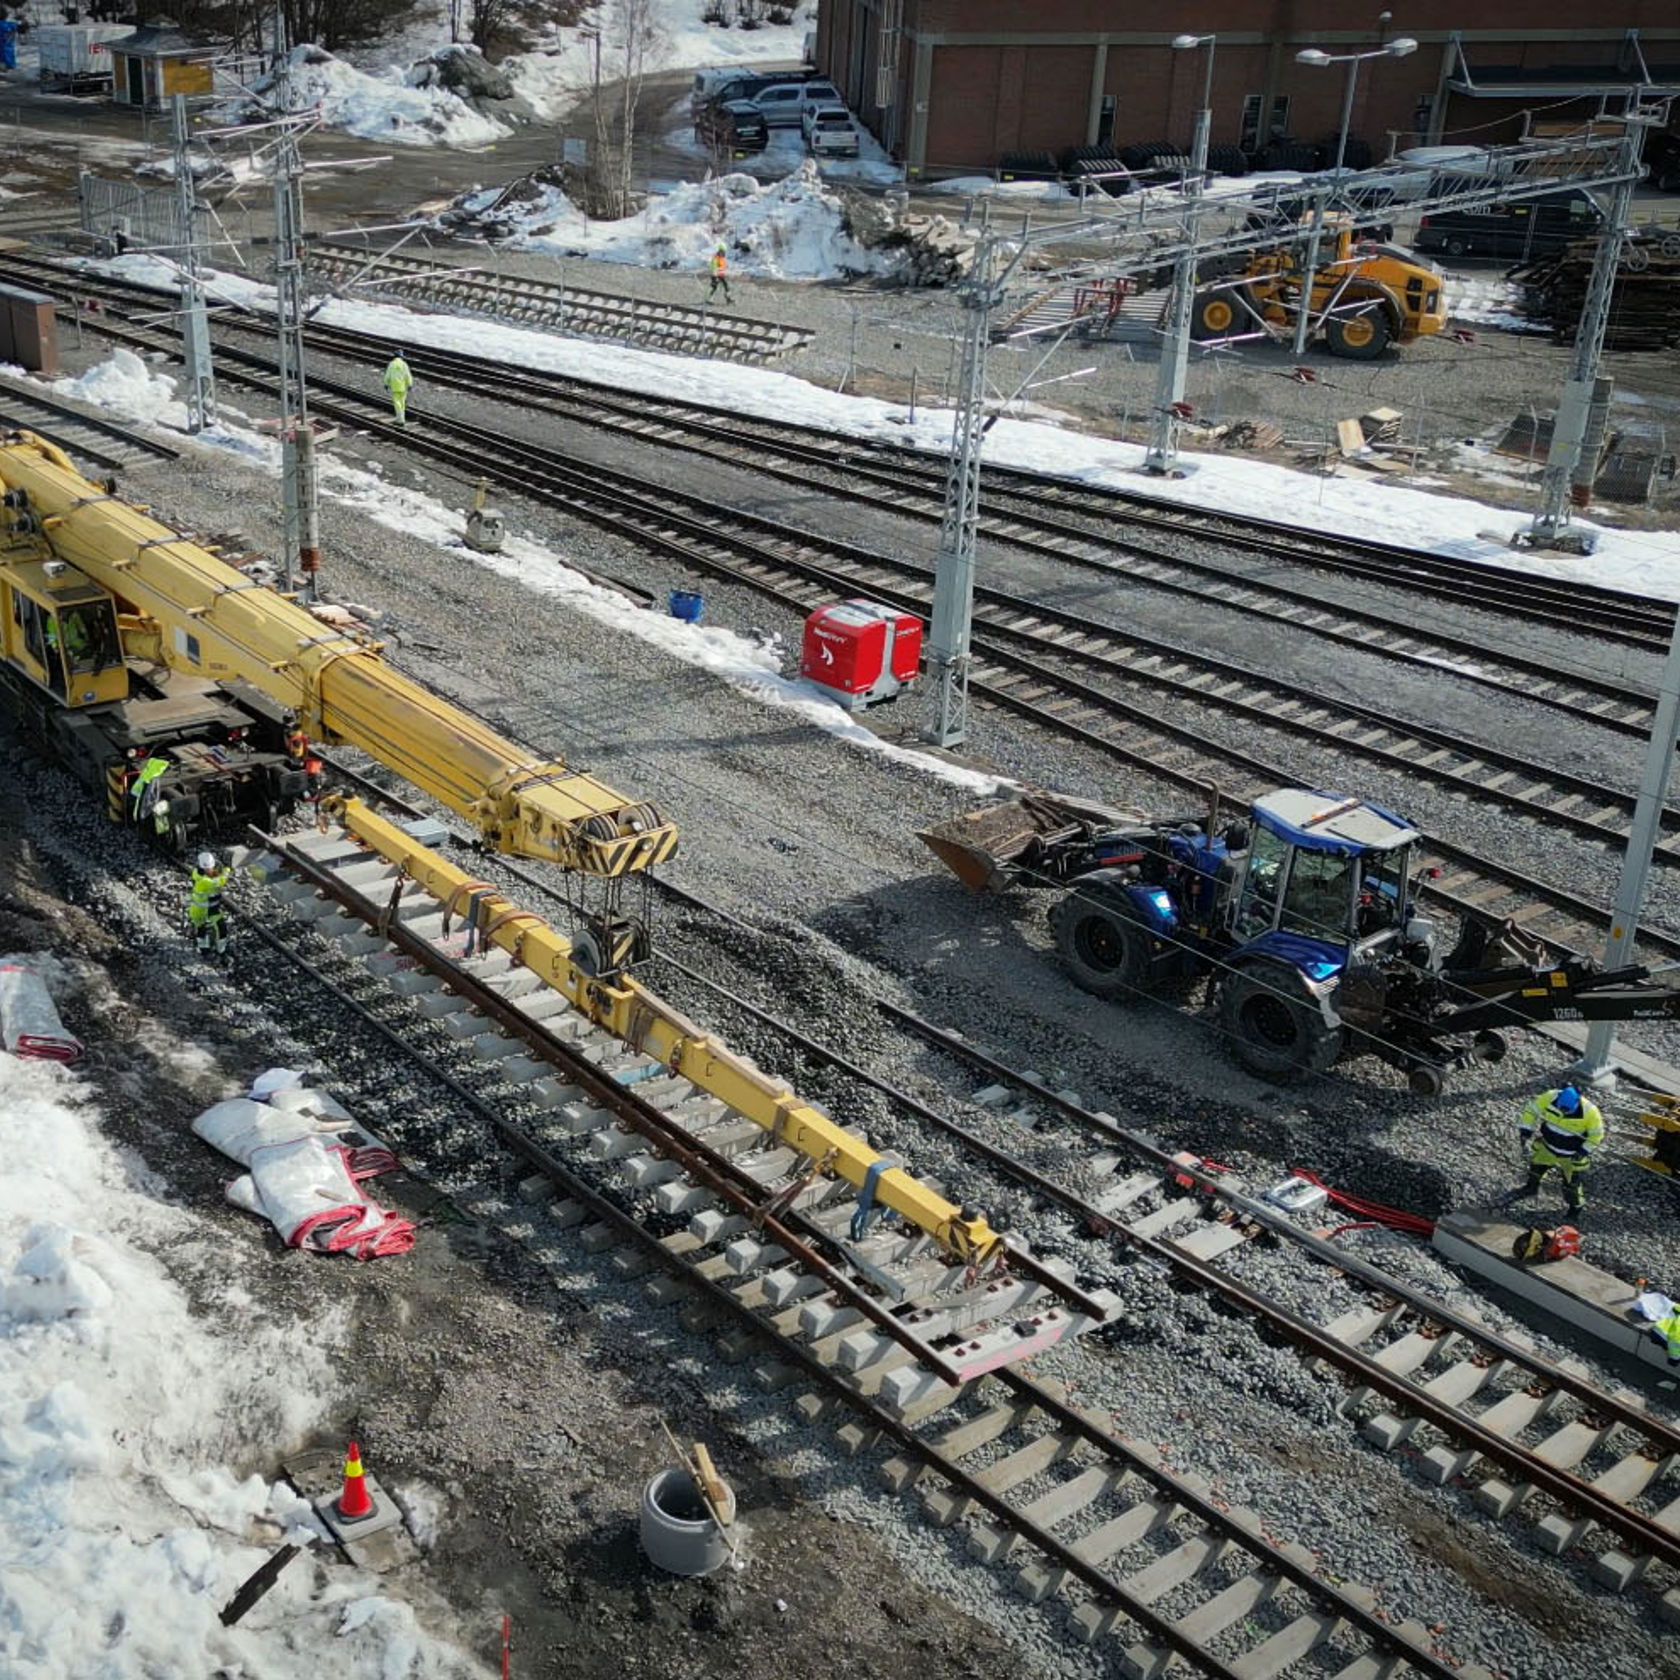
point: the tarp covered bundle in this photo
(306, 1159)
(29, 1023)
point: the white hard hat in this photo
(207, 861)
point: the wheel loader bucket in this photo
(979, 846)
(989, 850)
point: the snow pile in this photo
(125, 385)
(381, 107)
(793, 229)
(126, 1529)
(558, 73)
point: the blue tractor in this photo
(1301, 916)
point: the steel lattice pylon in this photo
(953, 590)
(297, 437)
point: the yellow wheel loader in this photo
(1365, 296)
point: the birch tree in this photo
(627, 31)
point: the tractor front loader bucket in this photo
(992, 849)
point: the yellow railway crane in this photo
(186, 693)
(126, 644)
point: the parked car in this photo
(783, 104)
(722, 86)
(735, 129)
(830, 131)
(1533, 227)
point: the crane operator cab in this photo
(59, 630)
(1326, 882)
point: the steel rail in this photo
(1210, 1185)
(893, 465)
(1207, 1183)
(1267, 1553)
(1225, 589)
(715, 1170)
(703, 1163)
(657, 524)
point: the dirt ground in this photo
(511, 1415)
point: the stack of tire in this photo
(1081, 163)
(1156, 157)
(1293, 154)
(1029, 166)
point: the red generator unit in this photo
(859, 652)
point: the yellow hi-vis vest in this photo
(1559, 1138)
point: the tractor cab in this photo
(59, 629)
(1325, 878)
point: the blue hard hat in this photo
(1567, 1101)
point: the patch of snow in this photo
(793, 229)
(125, 385)
(381, 107)
(127, 1524)
(560, 71)
(1648, 562)
(1489, 301)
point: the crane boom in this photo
(200, 616)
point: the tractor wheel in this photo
(1273, 1027)
(1103, 945)
(1213, 315)
(1426, 1080)
(1361, 338)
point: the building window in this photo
(1250, 138)
(1105, 120)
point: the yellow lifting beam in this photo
(646, 1024)
(204, 618)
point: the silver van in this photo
(783, 105)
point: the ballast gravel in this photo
(810, 844)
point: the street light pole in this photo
(1400, 47)
(1175, 346)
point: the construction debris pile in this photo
(929, 250)
(1644, 306)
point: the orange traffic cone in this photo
(354, 1502)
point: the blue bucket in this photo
(686, 604)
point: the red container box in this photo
(859, 652)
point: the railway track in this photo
(1096, 1526)
(797, 568)
(578, 310)
(1075, 523)
(88, 437)
(1469, 1403)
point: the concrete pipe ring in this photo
(678, 1532)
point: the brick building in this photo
(952, 86)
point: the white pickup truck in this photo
(830, 131)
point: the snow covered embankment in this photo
(122, 1404)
